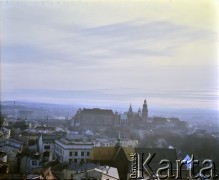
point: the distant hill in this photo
(206, 118)
(34, 110)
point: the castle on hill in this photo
(98, 118)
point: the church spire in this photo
(145, 111)
(130, 108)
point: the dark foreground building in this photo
(120, 157)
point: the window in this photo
(76, 153)
(75, 160)
(34, 163)
(88, 153)
(70, 161)
(82, 153)
(70, 153)
(47, 147)
(82, 161)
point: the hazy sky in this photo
(111, 51)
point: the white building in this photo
(72, 150)
(46, 146)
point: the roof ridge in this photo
(117, 152)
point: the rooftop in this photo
(109, 171)
(51, 137)
(68, 141)
(103, 153)
(110, 153)
(55, 165)
(98, 111)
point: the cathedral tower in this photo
(130, 114)
(145, 111)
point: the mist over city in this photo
(88, 86)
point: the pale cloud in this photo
(149, 45)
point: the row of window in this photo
(76, 161)
(76, 153)
(71, 160)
